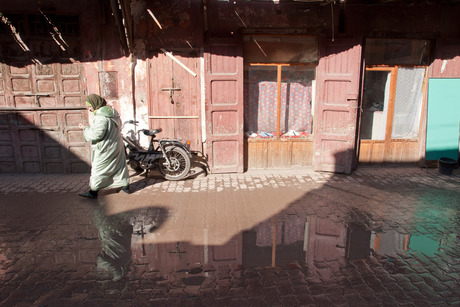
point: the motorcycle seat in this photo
(152, 132)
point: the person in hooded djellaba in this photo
(108, 158)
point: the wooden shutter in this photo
(224, 105)
(336, 109)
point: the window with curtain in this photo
(375, 105)
(261, 103)
(408, 103)
(279, 85)
(407, 98)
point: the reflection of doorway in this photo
(391, 112)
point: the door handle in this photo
(352, 96)
(37, 102)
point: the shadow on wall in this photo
(43, 142)
(70, 32)
(66, 31)
(46, 37)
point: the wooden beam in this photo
(278, 104)
(175, 117)
(155, 19)
(119, 24)
(128, 23)
(390, 111)
(423, 120)
(274, 245)
(169, 54)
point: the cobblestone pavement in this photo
(379, 237)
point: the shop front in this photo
(279, 87)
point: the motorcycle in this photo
(170, 156)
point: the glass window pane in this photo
(296, 98)
(397, 51)
(280, 49)
(408, 103)
(260, 101)
(375, 105)
(261, 89)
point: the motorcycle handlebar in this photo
(134, 122)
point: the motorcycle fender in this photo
(179, 144)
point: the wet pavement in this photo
(379, 237)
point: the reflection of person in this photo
(108, 161)
(115, 232)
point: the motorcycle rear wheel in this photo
(179, 166)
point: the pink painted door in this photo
(326, 241)
(337, 103)
(224, 106)
(41, 107)
(228, 253)
(175, 100)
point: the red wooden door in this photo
(41, 108)
(224, 106)
(336, 109)
(175, 101)
(326, 241)
(42, 98)
(228, 253)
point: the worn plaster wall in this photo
(447, 60)
(168, 24)
(233, 17)
(122, 80)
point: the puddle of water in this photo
(117, 244)
(290, 242)
(281, 255)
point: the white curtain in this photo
(408, 103)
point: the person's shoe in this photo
(90, 194)
(126, 189)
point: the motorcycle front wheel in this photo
(179, 164)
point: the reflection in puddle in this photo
(251, 249)
(115, 235)
(287, 241)
(275, 243)
(135, 255)
(393, 243)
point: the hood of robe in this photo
(109, 112)
(106, 111)
(95, 101)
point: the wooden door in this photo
(224, 106)
(175, 101)
(228, 253)
(326, 241)
(336, 108)
(390, 120)
(43, 105)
